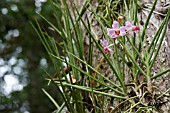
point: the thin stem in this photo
(97, 68)
(149, 84)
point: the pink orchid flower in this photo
(129, 25)
(131, 28)
(106, 48)
(115, 31)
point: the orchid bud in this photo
(120, 18)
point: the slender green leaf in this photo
(51, 98)
(90, 90)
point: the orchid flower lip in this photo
(117, 32)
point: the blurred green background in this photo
(22, 58)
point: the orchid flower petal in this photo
(113, 36)
(132, 23)
(122, 31)
(115, 25)
(128, 25)
(105, 43)
(110, 31)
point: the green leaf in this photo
(51, 98)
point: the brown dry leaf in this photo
(141, 79)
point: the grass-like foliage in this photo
(119, 44)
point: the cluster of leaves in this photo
(79, 92)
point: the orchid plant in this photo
(77, 83)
